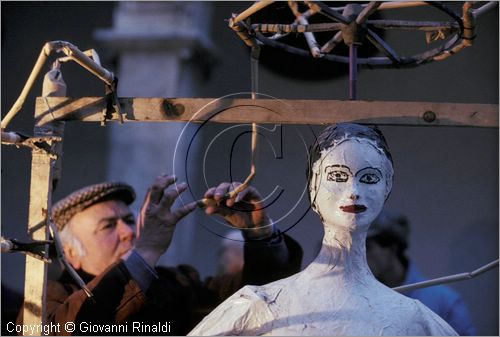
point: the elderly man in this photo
(98, 232)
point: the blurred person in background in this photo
(386, 252)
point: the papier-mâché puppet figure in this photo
(350, 175)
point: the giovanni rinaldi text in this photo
(89, 327)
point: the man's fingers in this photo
(230, 202)
(224, 189)
(222, 211)
(184, 210)
(171, 194)
(210, 210)
(209, 194)
(221, 191)
(240, 196)
(146, 201)
(159, 186)
(234, 185)
(249, 194)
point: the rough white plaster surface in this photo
(337, 293)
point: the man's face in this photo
(107, 232)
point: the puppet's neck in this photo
(342, 257)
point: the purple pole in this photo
(353, 70)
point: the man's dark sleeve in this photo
(265, 261)
(117, 296)
(270, 260)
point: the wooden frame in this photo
(51, 112)
(42, 173)
(269, 111)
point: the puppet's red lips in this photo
(353, 208)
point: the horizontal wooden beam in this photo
(269, 111)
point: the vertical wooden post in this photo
(42, 170)
(45, 173)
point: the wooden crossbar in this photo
(270, 111)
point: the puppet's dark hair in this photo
(334, 134)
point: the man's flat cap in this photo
(65, 209)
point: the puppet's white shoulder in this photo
(244, 313)
(430, 322)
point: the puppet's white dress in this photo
(336, 295)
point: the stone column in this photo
(163, 49)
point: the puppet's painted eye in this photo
(337, 176)
(369, 178)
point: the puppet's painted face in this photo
(350, 183)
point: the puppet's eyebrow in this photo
(369, 168)
(341, 166)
